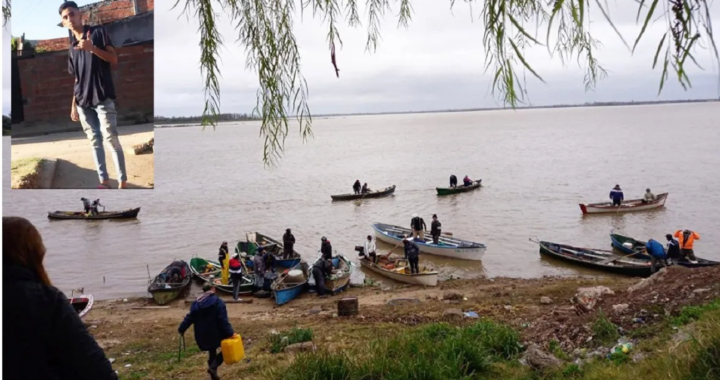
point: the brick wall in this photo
(47, 86)
(56, 44)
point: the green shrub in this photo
(295, 335)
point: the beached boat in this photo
(127, 214)
(290, 284)
(82, 304)
(596, 258)
(400, 271)
(628, 246)
(273, 246)
(372, 194)
(458, 189)
(447, 246)
(163, 291)
(340, 280)
(626, 206)
(208, 271)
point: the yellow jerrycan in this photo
(232, 349)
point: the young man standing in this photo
(90, 55)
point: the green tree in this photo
(265, 29)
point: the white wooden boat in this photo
(401, 273)
(447, 246)
(630, 205)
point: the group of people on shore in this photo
(360, 189)
(677, 250)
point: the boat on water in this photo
(254, 240)
(630, 205)
(208, 271)
(628, 246)
(340, 280)
(399, 270)
(371, 194)
(290, 284)
(127, 214)
(82, 304)
(447, 246)
(163, 290)
(458, 189)
(596, 258)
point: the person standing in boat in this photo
(86, 205)
(325, 248)
(657, 254)
(418, 226)
(365, 189)
(453, 180)
(467, 181)
(617, 196)
(687, 239)
(259, 269)
(435, 229)
(357, 186)
(222, 254)
(235, 274)
(209, 315)
(673, 248)
(95, 205)
(370, 249)
(649, 197)
(43, 333)
(412, 254)
(288, 244)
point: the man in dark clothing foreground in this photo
(209, 315)
(412, 254)
(321, 269)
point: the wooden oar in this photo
(388, 255)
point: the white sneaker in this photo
(693, 261)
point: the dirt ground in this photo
(127, 329)
(75, 167)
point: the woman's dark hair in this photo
(66, 5)
(23, 246)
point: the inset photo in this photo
(82, 95)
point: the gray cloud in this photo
(437, 63)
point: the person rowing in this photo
(467, 181)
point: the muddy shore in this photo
(541, 309)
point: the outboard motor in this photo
(361, 250)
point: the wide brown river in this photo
(536, 166)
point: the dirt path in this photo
(75, 167)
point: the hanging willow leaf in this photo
(265, 29)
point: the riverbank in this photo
(144, 342)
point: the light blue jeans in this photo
(100, 125)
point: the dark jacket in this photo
(44, 336)
(435, 228)
(209, 315)
(288, 242)
(411, 250)
(326, 249)
(673, 249)
(617, 195)
(418, 224)
(324, 267)
(222, 254)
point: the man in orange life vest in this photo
(687, 239)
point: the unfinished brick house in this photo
(43, 88)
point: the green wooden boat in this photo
(208, 271)
(163, 290)
(458, 189)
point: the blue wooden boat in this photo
(275, 247)
(628, 246)
(290, 284)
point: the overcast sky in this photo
(437, 63)
(6, 69)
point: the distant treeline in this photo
(198, 119)
(6, 125)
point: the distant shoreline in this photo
(595, 104)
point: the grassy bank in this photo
(25, 173)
